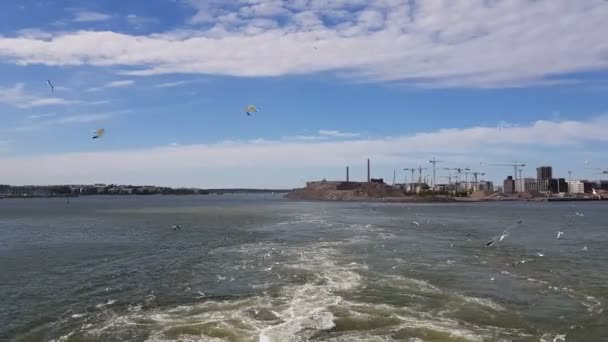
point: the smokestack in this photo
(368, 172)
(347, 178)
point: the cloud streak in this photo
(113, 84)
(438, 43)
(16, 96)
(166, 164)
(90, 16)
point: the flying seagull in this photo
(251, 109)
(504, 234)
(51, 85)
(559, 234)
(176, 227)
(99, 133)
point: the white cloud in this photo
(16, 96)
(40, 116)
(184, 164)
(170, 84)
(83, 118)
(138, 21)
(113, 84)
(36, 124)
(90, 16)
(439, 43)
(337, 134)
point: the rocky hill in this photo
(355, 191)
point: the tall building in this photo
(547, 185)
(509, 185)
(485, 186)
(544, 172)
(526, 184)
(562, 185)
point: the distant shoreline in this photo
(336, 191)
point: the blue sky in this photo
(335, 82)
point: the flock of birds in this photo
(250, 109)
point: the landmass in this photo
(381, 192)
(36, 191)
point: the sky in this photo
(335, 82)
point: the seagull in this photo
(51, 85)
(580, 214)
(585, 249)
(559, 234)
(416, 223)
(251, 109)
(492, 278)
(99, 133)
(450, 262)
(176, 227)
(490, 244)
(540, 254)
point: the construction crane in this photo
(475, 174)
(449, 178)
(413, 170)
(434, 161)
(513, 165)
(457, 169)
(420, 168)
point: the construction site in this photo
(463, 184)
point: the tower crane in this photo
(514, 165)
(413, 170)
(420, 168)
(475, 174)
(434, 162)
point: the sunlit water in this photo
(259, 268)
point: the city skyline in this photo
(334, 83)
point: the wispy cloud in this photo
(166, 164)
(90, 16)
(337, 134)
(40, 116)
(113, 84)
(138, 21)
(83, 118)
(475, 43)
(17, 96)
(171, 84)
(36, 123)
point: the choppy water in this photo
(255, 268)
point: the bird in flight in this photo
(51, 85)
(251, 109)
(99, 133)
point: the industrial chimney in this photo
(347, 178)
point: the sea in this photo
(262, 268)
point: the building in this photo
(562, 185)
(544, 172)
(485, 186)
(576, 187)
(553, 185)
(509, 185)
(547, 185)
(526, 185)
